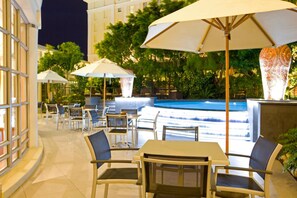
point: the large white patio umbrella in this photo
(48, 77)
(103, 68)
(217, 25)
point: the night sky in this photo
(62, 21)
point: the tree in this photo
(63, 60)
(194, 75)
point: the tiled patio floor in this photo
(65, 170)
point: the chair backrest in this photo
(76, 105)
(93, 107)
(181, 130)
(117, 120)
(176, 175)
(155, 120)
(99, 146)
(263, 155)
(75, 112)
(60, 109)
(93, 115)
(105, 111)
(51, 107)
(130, 111)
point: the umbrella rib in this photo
(204, 38)
(243, 19)
(263, 31)
(216, 25)
(161, 32)
(291, 9)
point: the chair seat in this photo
(236, 181)
(176, 191)
(76, 119)
(124, 131)
(120, 173)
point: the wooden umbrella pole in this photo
(104, 91)
(48, 91)
(227, 36)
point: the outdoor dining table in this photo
(185, 149)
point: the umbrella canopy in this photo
(216, 25)
(103, 68)
(50, 76)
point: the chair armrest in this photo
(237, 155)
(112, 161)
(242, 169)
(124, 149)
(145, 120)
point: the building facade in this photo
(101, 13)
(19, 24)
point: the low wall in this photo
(132, 103)
(271, 118)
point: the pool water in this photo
(212, 105)
(209, 115)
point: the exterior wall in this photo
(101, 13)
(20, 20)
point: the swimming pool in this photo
(212, 105)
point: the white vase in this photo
(275, 65)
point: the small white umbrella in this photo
(216, 25)
(103, 68)
(48, 77)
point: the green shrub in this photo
(289, 142)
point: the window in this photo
(1, 13)
(14, 102)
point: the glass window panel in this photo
(23, 60)
(24, 116)
(14, 87)
(23, 148)
(15, 155)
(23, 88)
(14, 144)
(3, 87)
(24, 137)
(13, 20)
(3, 151)
(14, 54)
(1, 48)
(23, 31)
(3, 164)
(1, 13)
(14, 119)
(3, 127)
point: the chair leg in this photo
(106, 190)
(155, 135)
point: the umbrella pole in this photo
(104, 91)
(48, 91)
(227, 36)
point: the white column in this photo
(32, 71)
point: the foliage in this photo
(193, 75)
(63, 60)
(289, 142)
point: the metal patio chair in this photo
(178, 181)
(231, 185)
(101, 154)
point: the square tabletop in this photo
(184, 148)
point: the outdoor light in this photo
(275, 65)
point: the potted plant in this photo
(288, 154)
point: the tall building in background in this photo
(101, 13)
